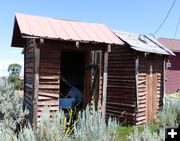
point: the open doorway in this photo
(72, 79)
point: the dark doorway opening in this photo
(72, 78)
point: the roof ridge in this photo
(167, 38)
(59, 18)
(120, 31)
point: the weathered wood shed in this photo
(55, 48)
(130, 77)
(136, 85)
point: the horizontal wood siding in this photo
(28, 77)
(159, 71)
(49, 78)
(142, 86)
(121, 86)
(141, 111)
(101, 81)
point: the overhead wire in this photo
(177, 28)
(164, 18)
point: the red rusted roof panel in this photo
(65, 29)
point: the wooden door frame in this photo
(87, 79)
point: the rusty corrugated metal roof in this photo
(143, 43)
(52, 28)
(168, 43)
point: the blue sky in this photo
(137, 16)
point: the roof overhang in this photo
(176, 51)
(17, 40)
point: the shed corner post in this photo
(24, 70)
(136, 87)
(136, 78)
(164, 75)
(36, 80)
(105, 77)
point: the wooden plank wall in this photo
(28, 77)
(121, 87)
(141, 111)
(49, 80)
(158, 62)
(142, 86)
(101, 80)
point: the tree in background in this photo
(14, 74)
(14, 69)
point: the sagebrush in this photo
(91, 125)
(11, 112)
(169, 115)
(147, 135)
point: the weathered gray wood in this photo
(49, 77)
(49, 94)
(105, 75)
(136, 77)
(29, 77)
(95, 84)
(24, 104)
(36, 84)
(121, 104)
(164, 67)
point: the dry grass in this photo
(174, 96)
(20, 93)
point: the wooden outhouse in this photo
(136, 84)
(123, 71)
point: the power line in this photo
(164, 18)
(177, 28)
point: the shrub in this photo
(147, 135)
(19, 85)
(51, 129)
(169, 115)
(93, 127)
(48, 129)
(11, 112)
